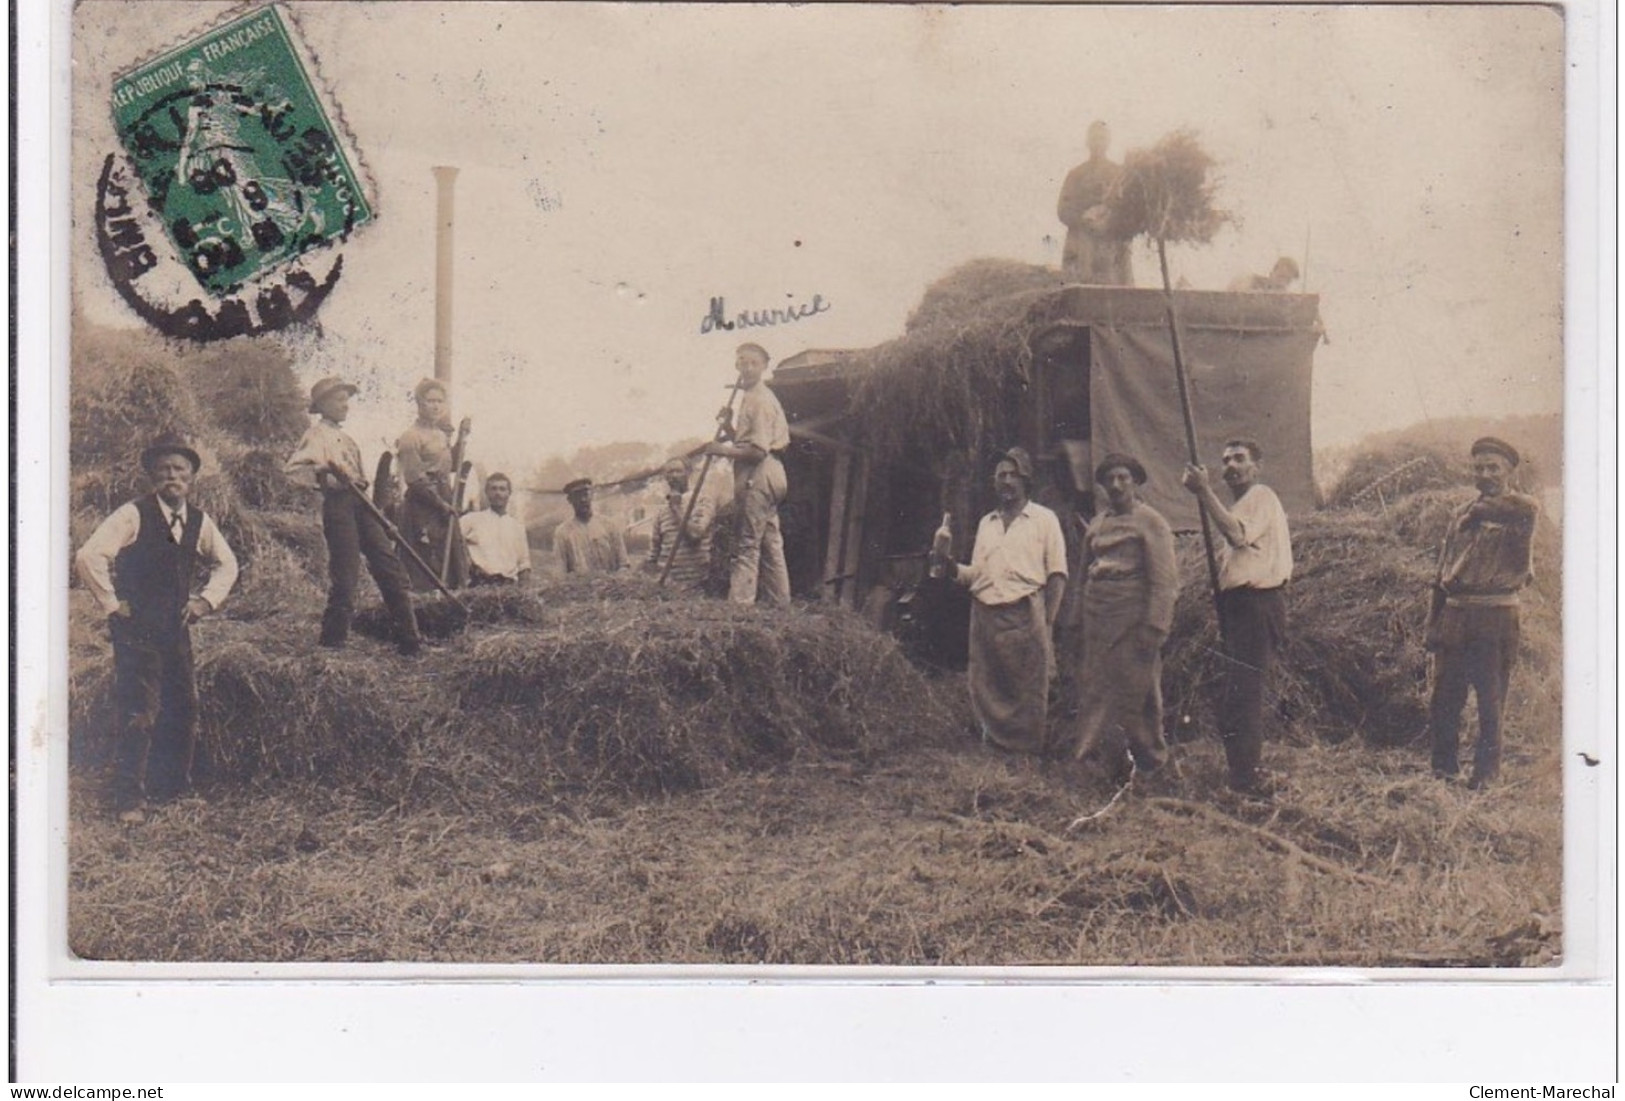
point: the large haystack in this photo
(952, 380)
(607, 685)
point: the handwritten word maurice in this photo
(716, 318)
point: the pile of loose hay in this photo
(1357, 612)
(1354, 662)
(952, 380)
(1374, 478)
(598, 685)
(1166, 193)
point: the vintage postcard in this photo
(975, 490)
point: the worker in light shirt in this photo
(1255, 563)
(139, 565)
(1017, 577)
(498, 552)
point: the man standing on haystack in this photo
(139, 565)
(756, 437)
(1255, 563)
(1130, 585)
(1472, 630)
(691, 559)
(428, 512)
(498, 550)
(1089, 256)
(328, 459)
(1017, 577)
(586, 543)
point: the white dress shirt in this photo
(1008, 564)
(496, 543)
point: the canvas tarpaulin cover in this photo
(1244, 382)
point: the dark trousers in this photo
(1475, 648)
(156, 698)
(1255, 631)
(351, 532)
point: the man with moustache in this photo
(1472, 630)
(1255, 563)
(1130, 584)
(139, 565)
(1017, 577)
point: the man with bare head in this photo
(498, 553)
(1255, 563)
(1090, 256)
(757, 436)
(428, 514)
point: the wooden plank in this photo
(852, 552)
(835, 542)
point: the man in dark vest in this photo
(140, 565)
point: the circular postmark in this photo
(242, 172)
(137, 270)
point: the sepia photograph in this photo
(764, 486)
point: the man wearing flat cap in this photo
(327, 459)
(686, 545)
(428, 513)
(139, 565)
(1016, 577)
(1472, 630)
(1130, 584)
(1255, 564)
(586, 543)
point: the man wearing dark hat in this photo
(428, 513)
(586, 543)
(326, 459)
(139, 565)
(1255, 563)
(1130, 584)
(757, 437)
(686, 545)
(1017, 577)
(1486, 559)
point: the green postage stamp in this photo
(241, 162)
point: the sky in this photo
(621, 165)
